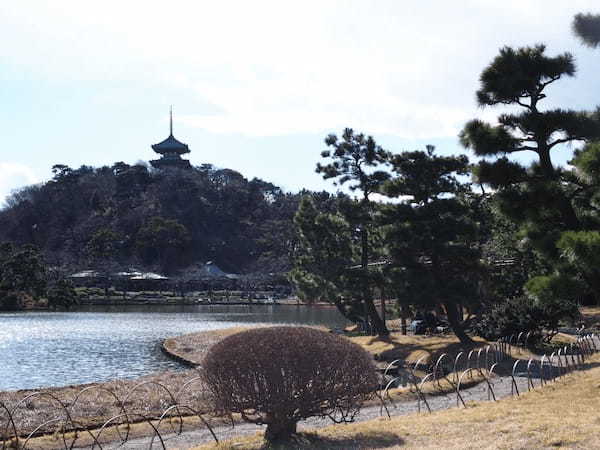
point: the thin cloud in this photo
(270, 68)
(13, 176)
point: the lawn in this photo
(411, 348)
(591, 316)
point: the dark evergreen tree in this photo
(22, 275)
(431, 234)
(544, 200)
(62, 295)
(321, 269)
(356, 160)
(163, 241)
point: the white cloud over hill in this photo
(14, 175)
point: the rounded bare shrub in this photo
(280, 375)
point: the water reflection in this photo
(101, 343)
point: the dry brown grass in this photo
(96, 405)
(561, 415)
(591, 316)
(411, 348)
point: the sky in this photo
(256, 86)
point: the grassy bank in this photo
(192, 347)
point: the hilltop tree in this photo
(103, 245)
(431, 235)
(354, 160)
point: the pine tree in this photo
(356, 160)
(544, 200)
(431, 235)
(321, 263)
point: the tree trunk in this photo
(364, 262)
(371, 314)
(593, 280)
(546, 161)
(565, 206)
(455, 324)
(383, 305)
(404, 316)
(569, 216)
(379, 326)
(344, 312)
(280, 430)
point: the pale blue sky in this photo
(257, 85)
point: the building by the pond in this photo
(171, 150)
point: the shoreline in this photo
(118, 301)
(211, 337)
(97, 399)
(189, 349)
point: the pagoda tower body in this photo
(171, 150)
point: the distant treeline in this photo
(166, 220)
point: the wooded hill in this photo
(163, 220)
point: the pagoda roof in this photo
(171, 145)
(167, 162)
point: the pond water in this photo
(39, 349)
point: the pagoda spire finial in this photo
(171, 150)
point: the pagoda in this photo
(171, 150)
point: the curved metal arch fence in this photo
(446, 376)
(66, 427)
(485, 361)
